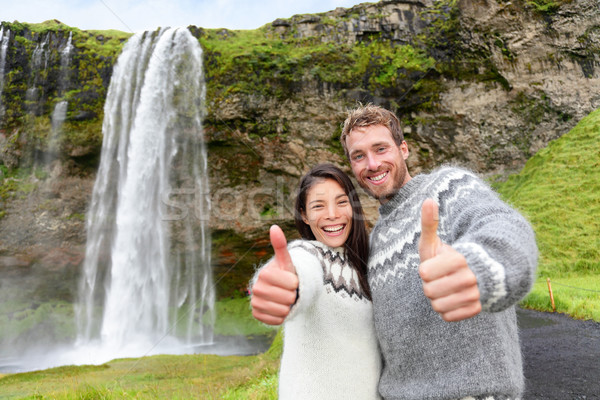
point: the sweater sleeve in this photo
(310, 277)
(497, 242)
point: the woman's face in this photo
(328, 213)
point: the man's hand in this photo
(447, 280)
(275, 288)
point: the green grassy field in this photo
(164, 376)
(559, 192)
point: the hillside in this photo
(559, 191)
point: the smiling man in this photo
(448, 262)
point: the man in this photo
(448, 262)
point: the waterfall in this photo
(59, 114)
(4, 38)
(146, 279)
(39, 63)
(65, 62)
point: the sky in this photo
(140, 15)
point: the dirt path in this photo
(561, 356)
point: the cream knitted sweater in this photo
(329, 349)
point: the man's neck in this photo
(385, 199)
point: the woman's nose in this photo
(332, 211)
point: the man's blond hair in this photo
(369, 115)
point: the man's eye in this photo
(381, 149)
(358, 157)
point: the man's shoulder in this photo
(452, 171)
(449, 175)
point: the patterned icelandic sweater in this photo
(424, 356)
(329, 348)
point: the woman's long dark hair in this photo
(357, 244)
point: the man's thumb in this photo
(429, 243)
(279, 243)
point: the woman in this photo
(329, 349)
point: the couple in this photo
(446, 264)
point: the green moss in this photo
(16, 183)
(52, 25)
(546, 6)
(257, 62)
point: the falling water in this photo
(39, 63)
(146, 280)
(59, 114)
(4, 38)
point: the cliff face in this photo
(481, 83)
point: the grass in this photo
(156, 377)
(559, 191)
(234, 318)
(163, 376)
(576, 296)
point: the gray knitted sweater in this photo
(424, 356)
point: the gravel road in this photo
(561, 356)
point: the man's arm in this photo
(489, 242)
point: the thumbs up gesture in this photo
(274, 291)
(447, 280)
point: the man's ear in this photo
(404, 149)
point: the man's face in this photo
(377, 162)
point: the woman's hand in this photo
(276, 285)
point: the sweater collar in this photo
(401, 196)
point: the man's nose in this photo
(373, 162)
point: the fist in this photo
(276, 286)
(448, 281)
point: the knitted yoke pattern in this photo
(329, 348)
(424, 356)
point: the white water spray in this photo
(147, 281)
(59, 114)
(4, 39)
(39, 63)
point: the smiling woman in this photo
(328, 213)
(329, 345)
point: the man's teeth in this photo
(333, 228)
(378, 177)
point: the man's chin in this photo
(378, 193)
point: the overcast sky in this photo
(139, 15)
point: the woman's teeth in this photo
(333, 228)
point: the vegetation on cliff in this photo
(38, 79)
(559, 191)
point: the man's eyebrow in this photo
(380, 144)
(353, 152)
